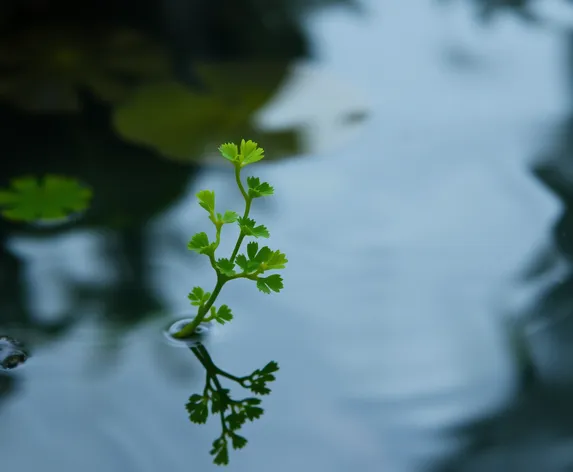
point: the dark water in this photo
(426, 318)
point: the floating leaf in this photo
(181, 123)
(51, 198)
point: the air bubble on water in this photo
(202, 332)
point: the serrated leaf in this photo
(229, 217)
(272, 282)
(198, 410)
(260, 232)
(253, 182)
(263, 255)
(220, 400)
(229, 151)
(258, 189)
(200, 243)
(270, 368)
(252, 249)
(207, 200)
(224, 314)
(198, 296)
(277, 260)
(248, 227)
(250, 152)
(236, 420)
(226, 266)
(238, 442)
(262, 286)
(242, 262)
(253, 412)
(220, 451)
(260, 388)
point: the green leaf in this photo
(252, 249)
(223, 315)
(229, 151)
(197, 408)
(237, 441)
(236, 420)
(260, 388)
(220, 451)
(270, 368)
(198, 296)
(258, 189)
(250, 152)
(253, 412)
(272, 282)
(220, 400)
(207, 200)
(200, 244)
(260, 377)
(229, 217)
(252, 401)
(248, 227)
(51, 198)
(263, 255)
(242, 262)
(226, 266)
(277, 260)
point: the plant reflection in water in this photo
(217, 400)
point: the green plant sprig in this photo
(217, 400)
(251, 265)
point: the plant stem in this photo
(208, 360)
(248, 201)
(190, 328)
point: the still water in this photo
(407, 235)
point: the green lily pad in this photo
(52, 198)
(181, 123)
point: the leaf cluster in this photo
(255, 262)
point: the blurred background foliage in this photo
(127, 102)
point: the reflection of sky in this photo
(400, 242)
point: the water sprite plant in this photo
(250, 265)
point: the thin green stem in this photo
(239, 183)
(190, 328)
(209, 360)
(248, 201)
